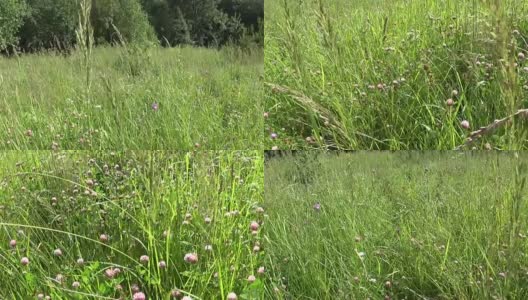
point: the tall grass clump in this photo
(132, 225)
(84, 35)
(404, 225)
(396, 75)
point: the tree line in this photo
(32, 25)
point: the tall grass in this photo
(205, 97)
(405, 225)
(160, 204)
(378, 74)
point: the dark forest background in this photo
(33, 25)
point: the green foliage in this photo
(202, 22)
(117, 21)
(12, 13)
(50, 24)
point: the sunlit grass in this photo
(405, 225)
(173, 223)
(205, 98)
(378, 74)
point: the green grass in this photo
(47, 202)
(434, 225)
(206, 96)
(324, 61)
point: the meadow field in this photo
(133, 97)
(405, 225)
(376, 74)
(132, 225)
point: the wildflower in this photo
(40, 296)
(259, 210)
(24, 261)
(208, 248)
(388, 284)
(139, 296)
(57, 252)
(261, 270)
(454, 93)
(256, 248)
(273, 135)
(135, 288)
(317, 206)
(29, 133)
(450, 102)
(175, 293)
(186, 298)
(12, 243)
(80, 261)
(521, 56)
(162, 264)
(232, 296)
(110, 273)
(76, 284)
(254, 226)
(59, 278)
(191, 258)
(207, 220)
(103, 238)
(144, 259)
(155, 106)
(266, 115)
(274, 148)
(464, 124)
(502, 274)
(251, 278)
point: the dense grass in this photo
(146, 203)
(377, 74)
(406, 225)
(205, 96)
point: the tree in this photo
(12, 13)
(50, 24)
(116, 19)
